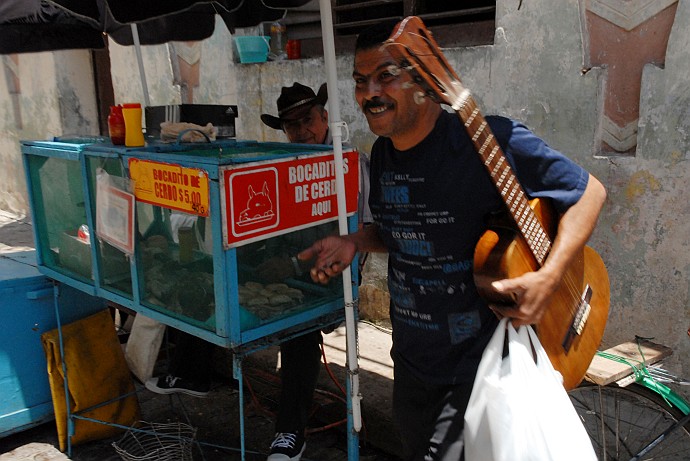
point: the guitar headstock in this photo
(413, 46)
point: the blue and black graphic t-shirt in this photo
(431, 203)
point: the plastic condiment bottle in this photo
(134, 137)
(278, 41)
(116, 125)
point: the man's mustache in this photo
(373, 103)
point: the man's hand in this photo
(331, 256)
(531, 292)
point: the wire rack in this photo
(157, 441)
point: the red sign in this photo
(266, 199)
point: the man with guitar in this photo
(432, 200)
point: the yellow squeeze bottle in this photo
(134, 137)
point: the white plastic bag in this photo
(477, 434)
(143, 346)
(519, 410)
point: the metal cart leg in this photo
(352, 435)
(68, 412)
(237, 373)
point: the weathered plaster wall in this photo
(127, 83)
(56, 96)
(644, 232)
(217, 73)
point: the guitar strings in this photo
(568, 281)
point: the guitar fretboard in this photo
(503, 177)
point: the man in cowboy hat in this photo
(304, 119)
(301, 114)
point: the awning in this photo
(47, 25)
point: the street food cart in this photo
(180, 232)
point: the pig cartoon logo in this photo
(259, 207)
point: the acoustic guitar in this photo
(573, 325)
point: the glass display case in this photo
(57, 188)
(202, 237)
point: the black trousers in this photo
(300, 360)
(430, 418)
(192, 358)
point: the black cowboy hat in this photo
(294, 103)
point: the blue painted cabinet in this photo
(27, 310)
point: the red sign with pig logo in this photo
(265, 199)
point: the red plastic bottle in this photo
(116, 125)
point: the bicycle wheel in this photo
(621, 421)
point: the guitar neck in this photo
(418, 53)
(503, 177)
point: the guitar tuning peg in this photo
(419, 97)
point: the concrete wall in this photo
(42, 95)
(217, 74)
(533, 72)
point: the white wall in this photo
(56, 97)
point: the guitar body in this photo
(502, 253)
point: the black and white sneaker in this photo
(287, 447)
(170, 384)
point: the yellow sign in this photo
(170, 186)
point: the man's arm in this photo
(533, 290)
(333, 254)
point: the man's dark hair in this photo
(374, 36)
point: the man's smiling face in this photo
(386, 95)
